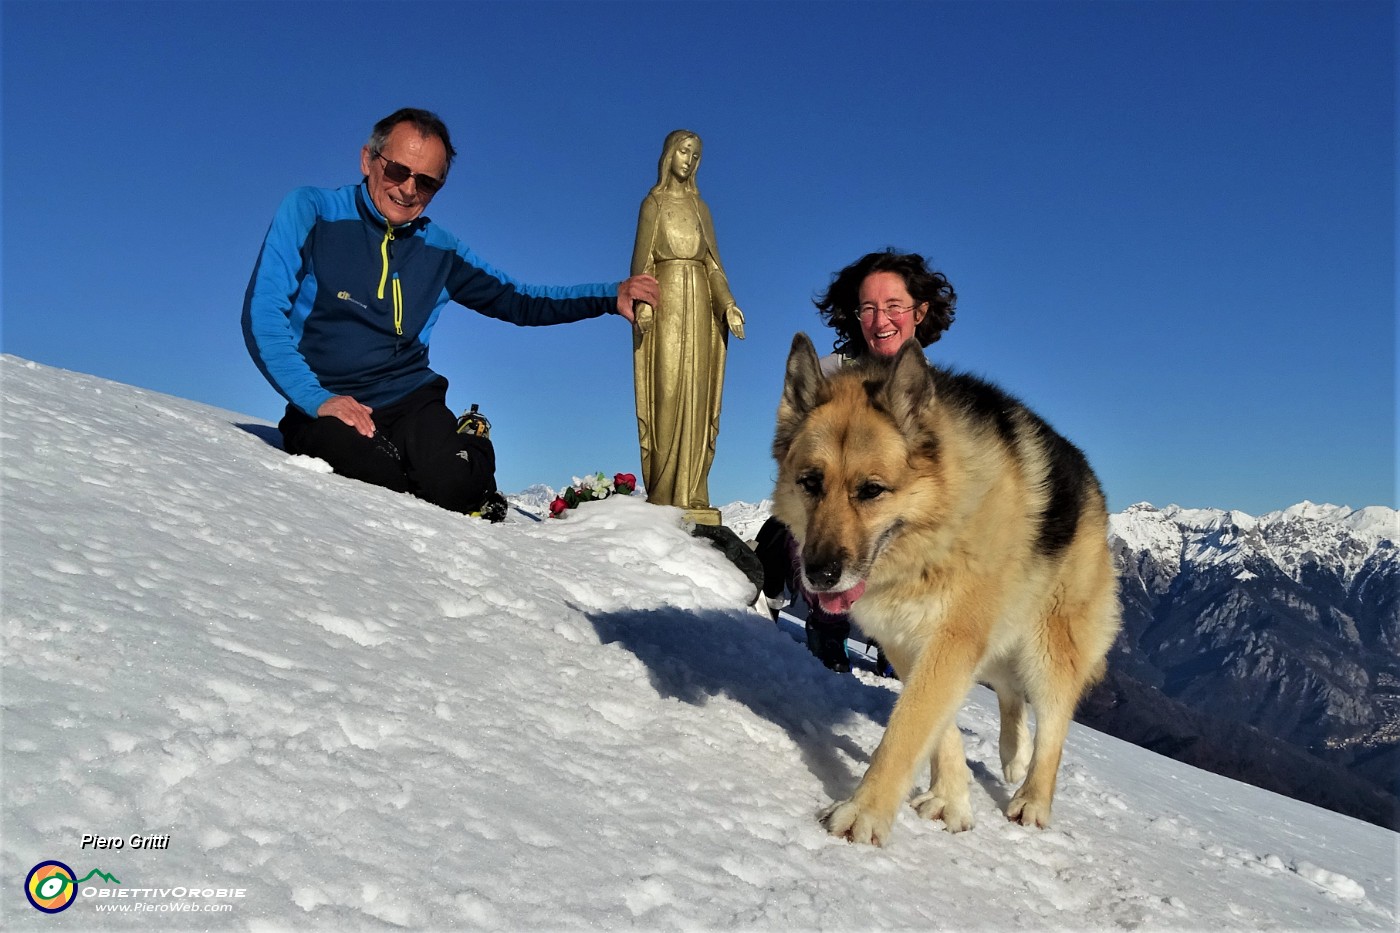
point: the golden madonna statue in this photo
(679, 346)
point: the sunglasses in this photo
(399, 173)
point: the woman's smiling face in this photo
(888, 315)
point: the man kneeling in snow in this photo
(345, 293)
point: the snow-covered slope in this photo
(362, 712)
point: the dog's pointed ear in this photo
(908, 389)
(801, 392)
(804, 376)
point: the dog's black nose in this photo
(825, 574)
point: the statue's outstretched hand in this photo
(735, 319)
(645, 314)
(639, 288)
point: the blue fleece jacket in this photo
(340, 303)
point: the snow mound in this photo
(359, 711)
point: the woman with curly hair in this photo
(875, 305)
(884, 299)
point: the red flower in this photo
(625, 483)
(558, 506)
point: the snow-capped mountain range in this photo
(1292, 539)
(1289, 623)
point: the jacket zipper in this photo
(397, 290)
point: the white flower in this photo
(593, 486)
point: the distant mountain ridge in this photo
(1289, 622)
(1299, 604)
(1281, 628)
(1337, 536)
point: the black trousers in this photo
(416, 449)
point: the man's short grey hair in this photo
(425, 122)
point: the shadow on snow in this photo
(692, 657)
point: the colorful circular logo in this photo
(50, 887)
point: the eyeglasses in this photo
(399, 173)
(893, 312)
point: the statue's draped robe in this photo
(679, 363)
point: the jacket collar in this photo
(372, 214)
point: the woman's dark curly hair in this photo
(839, 305)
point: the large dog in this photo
(970, 540)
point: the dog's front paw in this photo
(857, 823)
(1028, 812)
(955, 814)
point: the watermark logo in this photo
(52, 886)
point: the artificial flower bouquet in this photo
(591, 489)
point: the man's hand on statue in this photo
(643, 288)
(735, 319)
(350, 411)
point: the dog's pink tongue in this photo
(839, 603)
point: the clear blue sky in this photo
(1171, 225)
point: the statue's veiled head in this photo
(680, 159)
